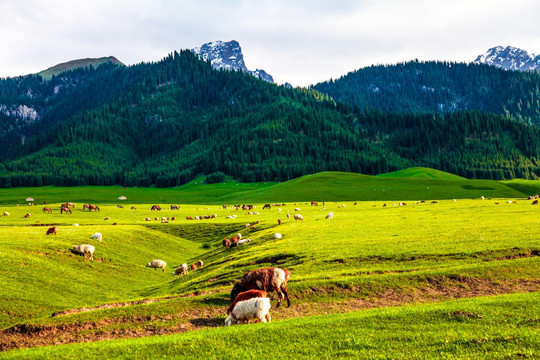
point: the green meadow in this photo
(452, 276)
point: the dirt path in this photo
(436, 289)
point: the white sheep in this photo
(252, 309)
(330, 215)
(243, 241)
(97, 236)
(6, 213)
(75, 224)
(277, 236)
(85, 249)
(297, 209)
(181, 270)
(154, 264)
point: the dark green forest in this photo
(167, 122)
(419, 87)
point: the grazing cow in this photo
(193, 267)
(535, 202)
(298, 217)
(86, 207)
(200, 263)
(189, 218)
(52, 230)
(46, 209)
(64, 209)
(226, 242)
(27, 215)
(267, 279)
(267, 206)
(119, 206)
(279, 221)
(156, 208)
(94, 208)
(133, 208)
(314, 203)
(175, 207)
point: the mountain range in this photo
(165, 123)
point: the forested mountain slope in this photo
(440, 87)
(164, 123)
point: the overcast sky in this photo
(297, 41)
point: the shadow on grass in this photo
(208, 322)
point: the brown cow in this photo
(193, 267)
(535, 202)
(46, 209)
(226, 242)
(52, 230)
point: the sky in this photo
(302, 42)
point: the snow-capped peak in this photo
(509, 58)
(227, 55)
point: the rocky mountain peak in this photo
(509, 58)
(228, 55)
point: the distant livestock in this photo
(226, 242)
(200, 264)
(253, 309)
(84, 250)
(535, 202)
(279, 221)
(47, 210)
(156, 208)
(297, 209)
(267, 206)
(298, 217)
(157, 264)
(314, 203)
(52, 230)
(193, 267)
(266, 279)
(277, 236)
(330, 215)
(27, 215)
(6, 213)
(175, 207)
(181, 270)
(97, 236)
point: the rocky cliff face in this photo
(228, 55)
(510, 58)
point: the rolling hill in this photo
(409, 184)
(76, 64)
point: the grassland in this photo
(410, 184)
(450, 279)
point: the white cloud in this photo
(302, 42)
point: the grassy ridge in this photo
(495, 327)
(410, 184)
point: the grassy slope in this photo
(495, 327)
(414, 184)
(422, 173)
(366, 253)
(75, 64)
(365, 247)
